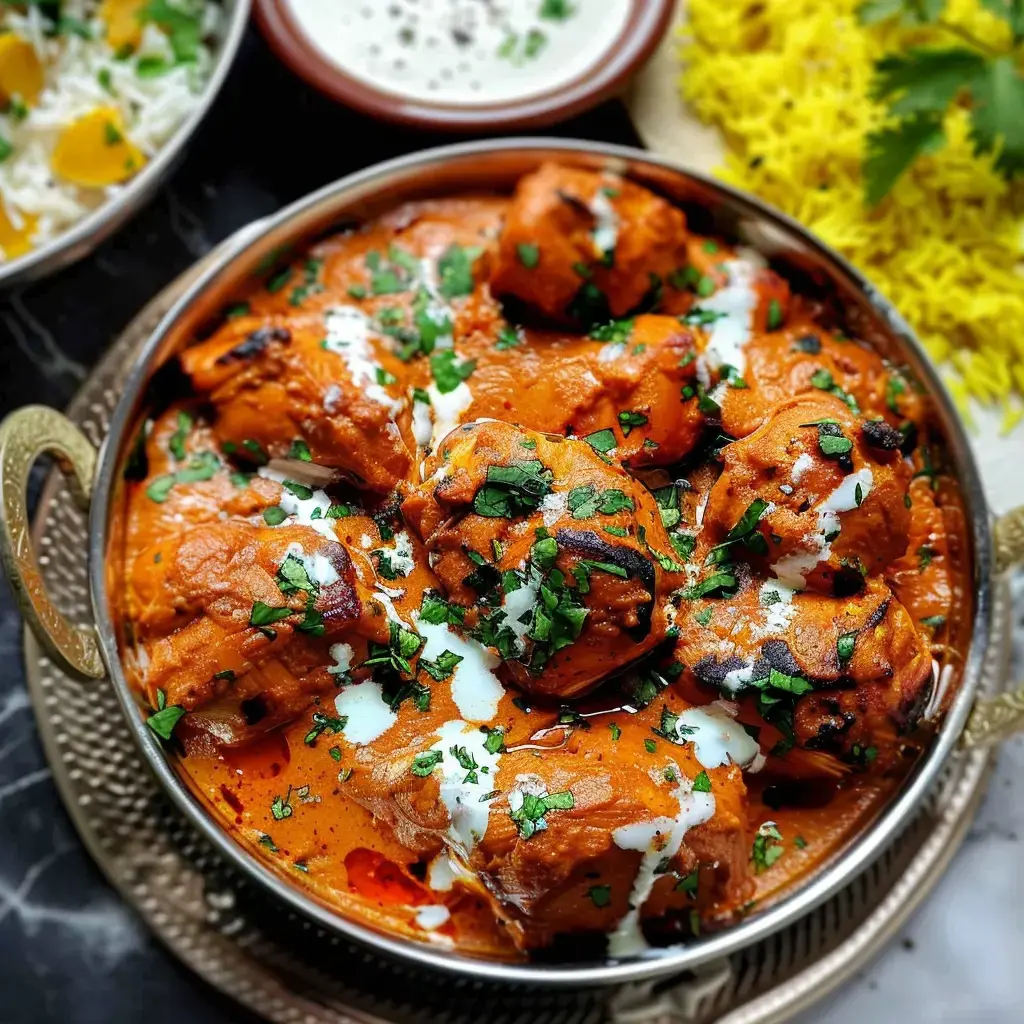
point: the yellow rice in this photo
(786, 81)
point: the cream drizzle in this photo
(467, 813)
(657, 839)
(475, 688)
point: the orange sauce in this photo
(266, 605)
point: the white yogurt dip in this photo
(462, 52)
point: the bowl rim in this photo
(829, 879)
(647, 23)
(97, 225)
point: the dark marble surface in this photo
(69, 950)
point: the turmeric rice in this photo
(787, 82)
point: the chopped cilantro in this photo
(512, 491)
(630, 419)
(448, 371)
(425, 762)
(529, 254)
(602, 441)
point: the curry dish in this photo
(532, 576)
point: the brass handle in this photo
(24, 436)
(996, 719)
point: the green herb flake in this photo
(449, 372)
(845, 645)
(528, 254)
(455, 270)
(530, 816)
(766, 849)
(164, 720)
(630, 419)
(602, 441)
(425, 762)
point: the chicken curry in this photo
(532, 576)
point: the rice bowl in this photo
(95, 100)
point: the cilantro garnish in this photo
(530, 817)
(394, 656)
(281, 807)
(822, 379)
(630, 419)
(448, 371)
(745, 532)
(766, 850)
(602, 441)
(166, 717)
(202, 466)
(715, 585)
(508, 337)
(698, 317)
(176, 442)
(495, 742)
(512, 491)
(833, 443)
(293, 576)
(845, 645)
(587, 501)
(616, 332)
(529, 254)
(921, 84)
(441, 668)
(322, 722)
(262, 615)
(436, 611)
(425, 762)
(455, 270)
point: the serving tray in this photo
(289, 971)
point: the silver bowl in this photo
(80, 239)
(96, 480)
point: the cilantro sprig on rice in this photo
(921, 84)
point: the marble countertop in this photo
(69, 950)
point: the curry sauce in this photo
(529, 575)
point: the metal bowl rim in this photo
(829, 879)
(113, 213)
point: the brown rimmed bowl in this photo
(96, 482)
(647, 23)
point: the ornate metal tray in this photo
(288, 971)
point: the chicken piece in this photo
(581, 247)
(627, 379)
(184, 478)
(230, 595)
(800, 357)
(570, 828)
(922, 577)
(815, 493)
(838, 674)
(313, 377)
(560, 559)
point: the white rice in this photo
(152, 109)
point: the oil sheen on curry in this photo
(533, 577)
